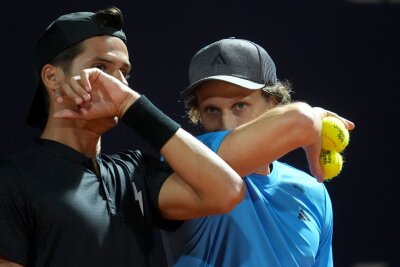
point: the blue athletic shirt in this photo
(284, 220)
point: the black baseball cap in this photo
(61, 34)
(236, 61)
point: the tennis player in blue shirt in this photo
(286, 217)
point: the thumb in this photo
(71, 114)
(313, 154)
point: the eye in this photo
(240, 105)
(125, 74)
(100, 67)
(211, 110)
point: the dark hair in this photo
(110, 17)
(65, 58)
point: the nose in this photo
(229, 121)
(120, 76)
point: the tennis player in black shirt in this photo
(63, 202)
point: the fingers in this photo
(77, 89)
(327, 113)
(74, 92)
(313, 152)
(85, 78)
(80, 113)
(94, 94)
(349, 124)
(67, 114)
(316, 170)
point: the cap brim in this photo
(226, 78)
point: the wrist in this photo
(130, 99)
(150, 122)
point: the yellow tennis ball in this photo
(335, 136)
(331, 162)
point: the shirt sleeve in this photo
(14, 215)
(150, 174)
(213, 139)
(324, 256)
(157, 173)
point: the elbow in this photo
(230, 198)
(235, 198)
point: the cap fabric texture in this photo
(61, 34)
(236, 61)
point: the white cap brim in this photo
(226, 78)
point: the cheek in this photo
(245, 116)
(210, 125)
(238, 121)
(254, 113)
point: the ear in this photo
(52, 77)
(272, 101)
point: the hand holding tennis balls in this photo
(335, 138)
(331, 162)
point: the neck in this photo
(84, 141)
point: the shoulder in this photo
(8, 170)
(134, 157)
(138, 162)
(213, 139)
(13, 185)
(127, 156)
(28, 151)
(291, 172)
(13, 164)
(31, 157)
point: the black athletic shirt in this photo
(55, 210)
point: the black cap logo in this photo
(219, 59)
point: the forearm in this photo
(269, 137)
(217, 186)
